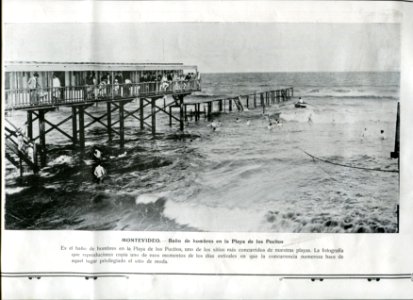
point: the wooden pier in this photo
(141, 101)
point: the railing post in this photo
(248, 101)
(230, 105)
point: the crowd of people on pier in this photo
(113, 85)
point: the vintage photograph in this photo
(214, 127)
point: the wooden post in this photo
(82, 127)
(220, 105)
(30, 125)
(153, 115)
(186, 112)
(109, 119)
(122, 125)
(74, 125)
(292, 92)
(21, 167)
(141, 113)
(205, 111)
(248, 101)
(255, 100)
(230, 104)
(181, 113)
(262, 99)
(170, 116)
(396, 152)
(42, 134)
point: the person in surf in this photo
(97, 155)
(382, 136)
(99, 173)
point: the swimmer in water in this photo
(382, 136)
(97, 154)
(270, 126)
(248, 123)
(364, 134)
(213, 125)
(310, 119)
(237, 120)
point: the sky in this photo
(214, 47)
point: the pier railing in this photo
(30, 98)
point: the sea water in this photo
(241, 177)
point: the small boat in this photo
(300, 105)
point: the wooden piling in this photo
(109, 120)
(141, 113)
(122, 125)
(153, 115)
(181, 113)
(396, 152)
(30, 125)
(255, 100)
(170, 116)
(42, 134)
(230, 105)
(74, 125)
(82, 127)
(248, 101)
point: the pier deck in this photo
(39, 103)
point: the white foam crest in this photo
(217, 219)
(62, 159)
(148, 198)
(15, 190)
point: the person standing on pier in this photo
(34, 87)
(127, 87)
(56, 87)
